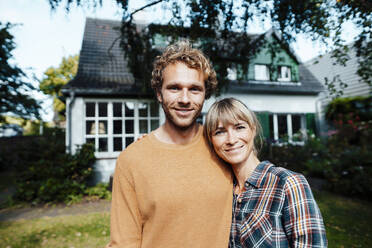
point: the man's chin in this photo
(184, 125)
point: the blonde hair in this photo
(227, 111)
(193, 58)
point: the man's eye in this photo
(173, 88)
(195, 89)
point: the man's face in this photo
(181, 95)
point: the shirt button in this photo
(240, 200)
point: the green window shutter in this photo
(310, 122)
(263, 118)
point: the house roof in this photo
(325, 66)
(102, 67)
(103, 70)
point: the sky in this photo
(43, 37)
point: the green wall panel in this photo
(263, 118)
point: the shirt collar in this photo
(259, 173)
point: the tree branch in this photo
(144, 7)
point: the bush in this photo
(48, 174)
(344, 160)
(306, 159)
(100, 191)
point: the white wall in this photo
(105, 166)
(77, 122)
(272, 103)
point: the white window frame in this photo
(261, 72)
(284, 73)
(289, 127)
(110, 153)
(232, 73)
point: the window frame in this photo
(289, 122)
(267, 72)
(281, 72)
(110, 118)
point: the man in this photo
(169, 189)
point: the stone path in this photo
(53, 211)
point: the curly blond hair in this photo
(183, 52)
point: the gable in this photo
(103, 69)
(273, 53)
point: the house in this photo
(106, 107)
(324, 67)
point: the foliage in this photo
(47, 174)
(342, 110)
(99, 191)
(15, 95)
(223, 26)
(344, 158)
(55, 78)
(350, 146)
(308, 159)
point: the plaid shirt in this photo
(276, 209)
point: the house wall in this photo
(323, 67)
(272, 103)
(282, 57)
(105, 163)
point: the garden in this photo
(46, 175)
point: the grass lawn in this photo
(347, 222)
(82, 231)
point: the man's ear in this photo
(159, 96)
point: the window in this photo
(284, 73)
(235, 71)
(261, 72)
(232, 73)
(113, 125)
(287, 127)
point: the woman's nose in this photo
(231, 137)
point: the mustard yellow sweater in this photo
(170, 196)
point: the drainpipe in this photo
(319, 121)
(69, 133)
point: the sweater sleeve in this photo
(126, 224)
(303, 222)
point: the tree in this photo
(15, 92)
(54, 79)
(223, 26)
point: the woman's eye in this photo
(240, 127)
(219, 132)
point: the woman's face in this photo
(233, 142)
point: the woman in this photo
(272, 206)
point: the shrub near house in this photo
(351, 146)
(48, 174)
(344, 159)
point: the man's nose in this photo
(184, 97)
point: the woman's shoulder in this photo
(284, 174)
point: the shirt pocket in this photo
(256, 230)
